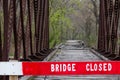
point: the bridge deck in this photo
(76, 55)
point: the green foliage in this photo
(72, 19)
(58, 19)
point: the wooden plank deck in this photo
(83, 54)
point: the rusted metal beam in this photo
(46, 24)
(37, 28)
(23, 32)
(115, 27)
(42, 25)
(108, 27)
(6, 34)
(19, 28)
(30, 26)
(36, 2)
(0, 43)
(15, 31)
(101, 32)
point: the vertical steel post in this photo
(101, 32)
(15, 30)
(23, 33)
(47, 24)
(5, 45)
(30, 31)
(41, 24)
(0, 43)
(37, 28)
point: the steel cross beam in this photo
(108, 27)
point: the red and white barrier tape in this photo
(59, 68)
